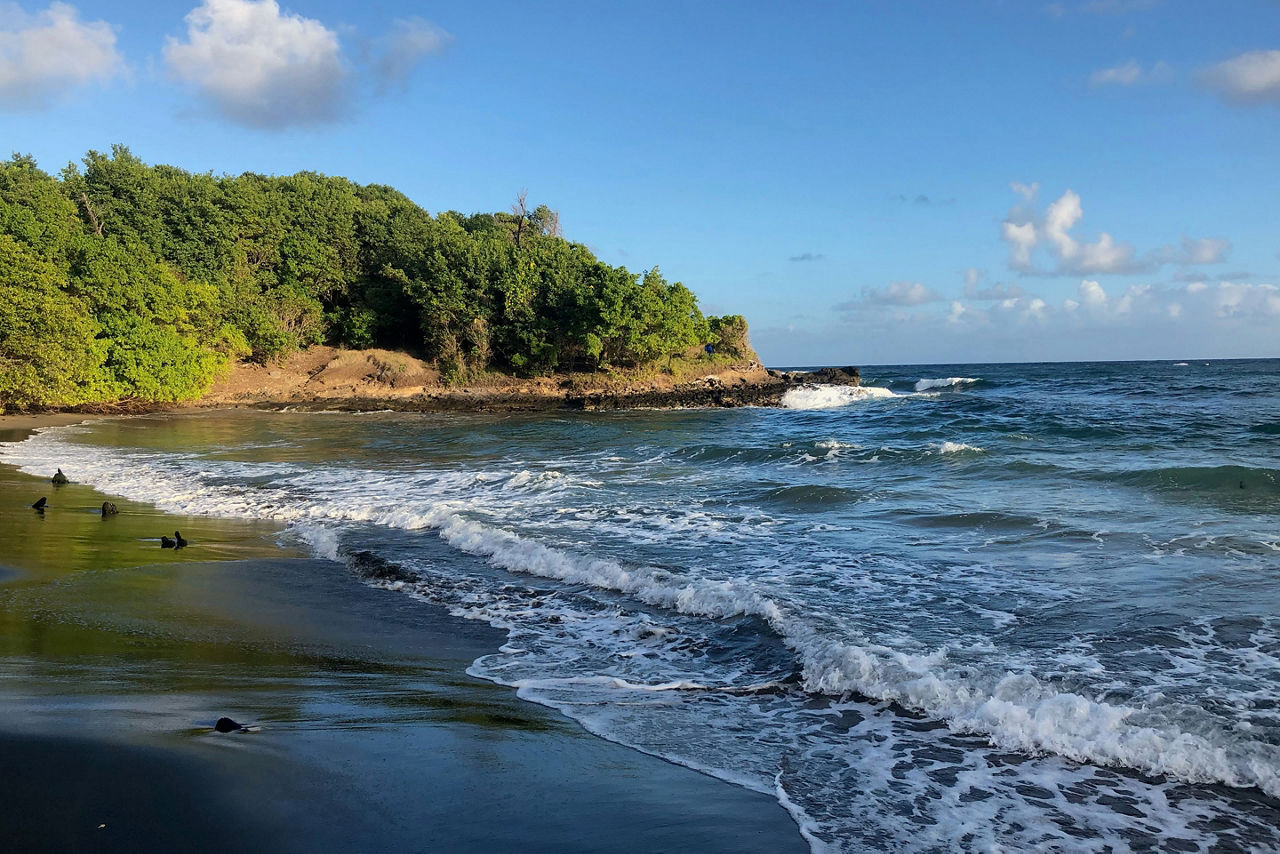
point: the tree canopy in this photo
(122, 280)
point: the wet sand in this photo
(116, 658)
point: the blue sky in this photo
(876, 182)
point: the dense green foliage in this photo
(123, 280)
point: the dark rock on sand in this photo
(178, 541)
(166, 543)
(366, 564)
(40, 505)
(228, 725)
(108, 509)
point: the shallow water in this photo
(979, 605)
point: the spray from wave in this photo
(946, 382)
(958, 448)
(832, 396)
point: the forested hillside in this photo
(120, 280)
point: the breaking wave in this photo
(831, 396)
(946, 382)
(1014, 708)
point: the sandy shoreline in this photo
(36, 420)
(116, 658)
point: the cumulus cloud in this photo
(45, 55)
(1218, 318)
(1131, 73)
(1026, 230)
(1102, 256)
(1022, 238)
(1227, 300)
(807, 256)
(259, 66)
(1250, 78)
(1140, 321)
(411, 41)
(897, 293)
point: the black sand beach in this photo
(117, 658)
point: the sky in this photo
(889, 182)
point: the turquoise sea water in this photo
(967, 607)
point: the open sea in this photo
(963, 607)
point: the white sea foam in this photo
(945, 382)
(1015, 710)
(831, 396)
(321, 539)
(958, 447)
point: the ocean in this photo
(962, 607)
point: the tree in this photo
(49, 350)
(167, 274)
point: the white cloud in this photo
(261, 67)
(1205, 250)
(1092, 296)
(1140, 304)
(1102, 256)
(1120, 75)
(1233, 299)
(411, 41)
(1025, 230)
(900, 293)
(1027, 191)
(44, 55)
(1142, 321)
(1217, 319)
(1022, 239)
(1131, 73)
(1250, 78)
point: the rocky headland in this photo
(325, 378)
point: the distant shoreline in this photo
(331, 379)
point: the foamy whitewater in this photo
(981, 607)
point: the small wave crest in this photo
(959, 448)
(927, 384)
(831, 396)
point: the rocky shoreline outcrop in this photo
(328, 379)
(752, 388)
